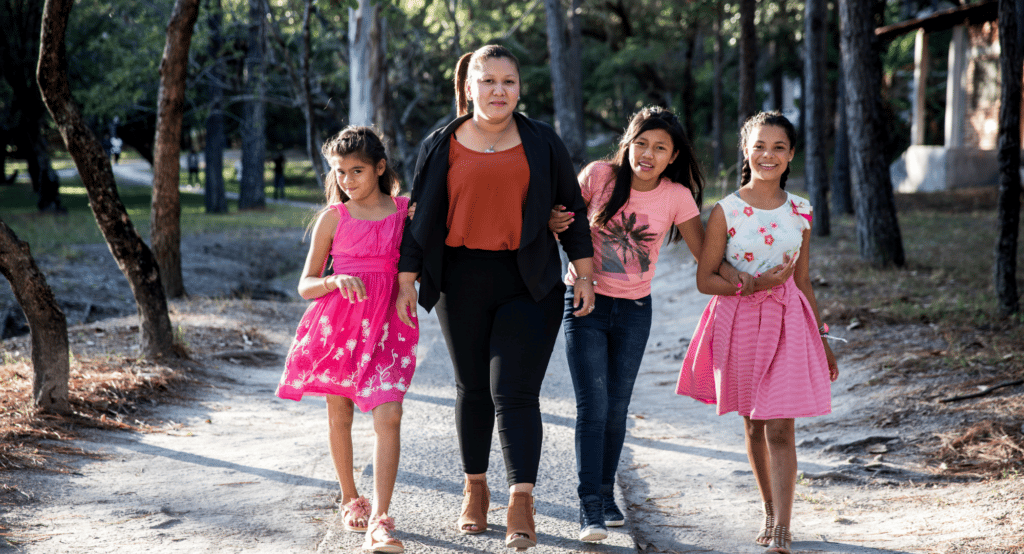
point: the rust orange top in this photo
(486, 194)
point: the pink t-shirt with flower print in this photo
(626, 248)
(759, 238)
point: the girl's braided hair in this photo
(774, 119)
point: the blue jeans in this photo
(604, 350)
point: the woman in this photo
(483, 187)
(764, 355)
(651, 187)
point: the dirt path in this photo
(233, 469)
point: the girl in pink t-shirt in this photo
(649, 189)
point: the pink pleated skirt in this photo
(759, 355)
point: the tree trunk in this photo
(1008, 211)
(689, 84)
(254, 127)
(50, 365)
(133, 256)
(816, 166)
(574, 24)
(878, 231)
(716, 88)
(842, 201)
(748, 69)
(380, 93)
(360, 23)
(568, 127)
(165, 231)
(308, 110)
(18, 56)
(216, 200)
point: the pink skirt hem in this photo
(760, 356)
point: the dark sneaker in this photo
(592, 527)
(612, 514)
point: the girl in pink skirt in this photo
(350, 345)
(762, 350)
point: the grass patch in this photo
(49, 233)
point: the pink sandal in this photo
(355, 515)
(379, 539)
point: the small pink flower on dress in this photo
(762, 230)
(734, 213)
(774, 225)
(749, 256)
(748, 211)
(732, 231)
(768, 239)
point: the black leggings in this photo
(500, 340)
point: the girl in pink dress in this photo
(350, 345)
(762, 350)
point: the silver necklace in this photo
(490, 149)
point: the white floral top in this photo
(759, 238)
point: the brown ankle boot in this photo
(476, 499)
(521, 532)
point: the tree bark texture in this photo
(816, 166)
(748, 69)
(50, 365)
(166, 214)
(134, 258)
(842, 200)
(254, 126)
(1008, 210)
(215, 197)
(878, 231)
(566, 123)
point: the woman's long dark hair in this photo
(475, 60)
(774, 119)
(684, 169)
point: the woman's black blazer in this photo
(552, 181)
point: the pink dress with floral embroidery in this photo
(359, 350)
(760, 355)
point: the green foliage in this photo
(47, 233)
(114, 52)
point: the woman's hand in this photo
(583, 297)
(778, 274)
(351, 288)
(412, 210)
(405, 304)
(560, 219)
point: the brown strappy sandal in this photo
(520, 530)
(781, 540)
(764, 536)
(476, 499)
